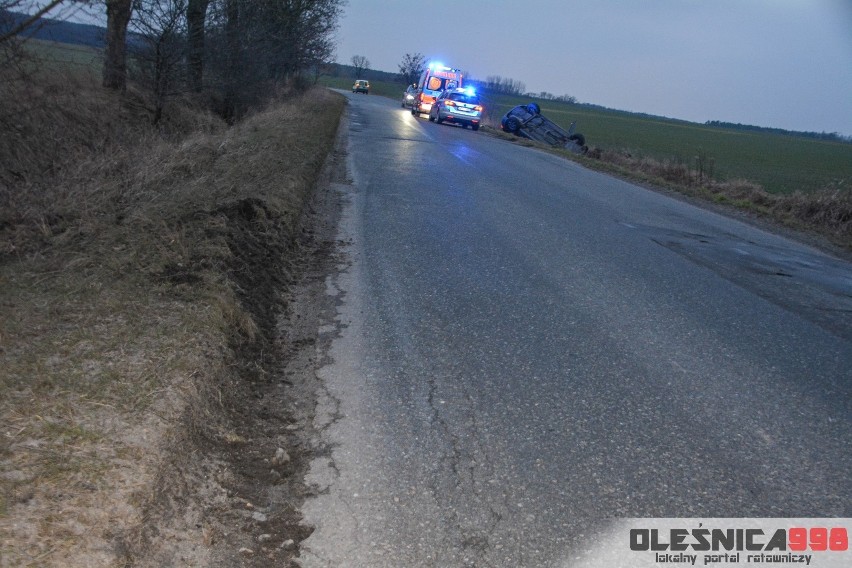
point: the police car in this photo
(458, 106)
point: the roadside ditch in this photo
(160, 298)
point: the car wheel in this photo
(431, 118)
(512, 125)
(438, 118)
(474, 127)
(534, 108)
(578, 138)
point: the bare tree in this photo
(196, 14)
(16, 29)
(504, 85)
(115, 54)
(253, 45)
(361, 64)
(411, 67)
(161, 27)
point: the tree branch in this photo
(30, 21)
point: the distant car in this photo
(361, 86)
(459, 106)
(409, 96)
(528, 122)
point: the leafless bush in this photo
(252, 46)
(10, 49)
(161, 49)
(411, 67)
(830, 209)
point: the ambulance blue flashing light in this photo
(440, 67)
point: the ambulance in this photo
(435, 79)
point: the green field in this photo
(780, 163)
(65, 55)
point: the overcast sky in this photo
(778, 63)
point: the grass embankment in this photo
(135, 263)
(799, 182)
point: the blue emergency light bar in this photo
(440, 67)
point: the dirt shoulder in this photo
(149, 327)
(243, 494)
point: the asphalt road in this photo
(525, 348)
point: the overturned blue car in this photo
(528, 122)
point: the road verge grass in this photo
(826, 212)
(138, 268)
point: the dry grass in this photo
(61, 133)
(827, 212)
(122, 293)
